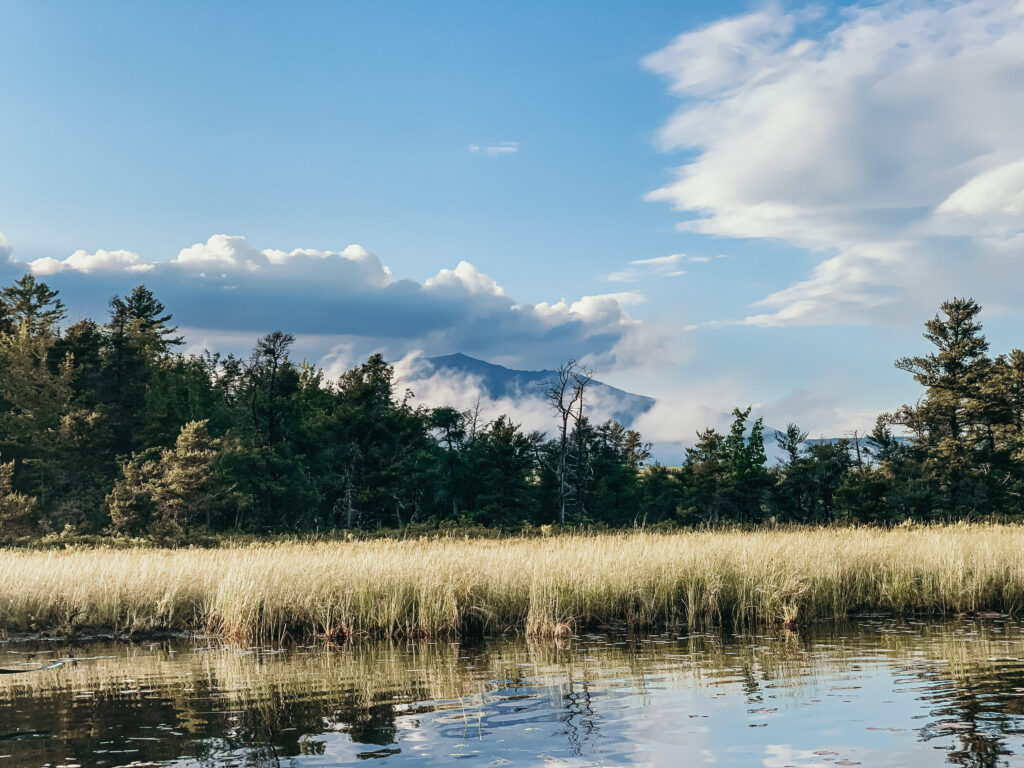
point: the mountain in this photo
(499, 382)
(603, 400)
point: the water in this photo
(874, 693)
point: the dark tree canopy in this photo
(106, 429)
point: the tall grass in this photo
(543, 587)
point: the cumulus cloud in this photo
(5, 249)
(496, 150)
(347, 300)
(464, 277)
(226, 254)
(605, 309)
(870, 145)
(83, 261)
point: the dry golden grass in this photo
(545, 587)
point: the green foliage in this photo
(31, 306)
(17, 511)
(106, 428)
(166, 492)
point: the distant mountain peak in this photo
(498, 382)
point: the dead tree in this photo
(565, 395)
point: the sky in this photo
(714, 204)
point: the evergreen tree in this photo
(32, 401)
(164, 493)
(138, 340)
(130, 501)
(17, 511)
(704, 477)
(947, 422)
(504, 466)
(748, 479)
(449, 425)
(190, 485)
(617, 456)
(32, 306)
(791, 442)
(661, 495)
(82, 343)
(149, 319)
(829, 463)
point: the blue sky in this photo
(713, 203)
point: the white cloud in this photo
(496, 150)
(658, 261)
(723, 55)
(234, 254)
(465, 276)
(678, 416)
(868, 145)
(464, 391)
(625, 276)
(83, 261)
(222, 252)
(605, 309)
(5, 249)
(225, 288)
(639, 268)
(991, 203)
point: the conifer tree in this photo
(33, 305)
(947, 420)
(189, 486)
(17, 511)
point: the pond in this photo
(877, 692)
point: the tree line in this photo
(107, 429)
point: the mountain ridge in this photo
(501, 382)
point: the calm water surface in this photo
(873, 693)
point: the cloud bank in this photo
(889, 145)
(227, 289)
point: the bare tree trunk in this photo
(565, 394)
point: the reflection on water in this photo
(874, 693)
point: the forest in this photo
(107, 430)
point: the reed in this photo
(543, 587)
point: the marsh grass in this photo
(543, 587)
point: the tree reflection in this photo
(222, 705)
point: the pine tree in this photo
(17, 511)
(130, 502)
(148, 318)
(791, 442)
(948, 422)
(189, 486)
(33, 305)
(165, 492)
